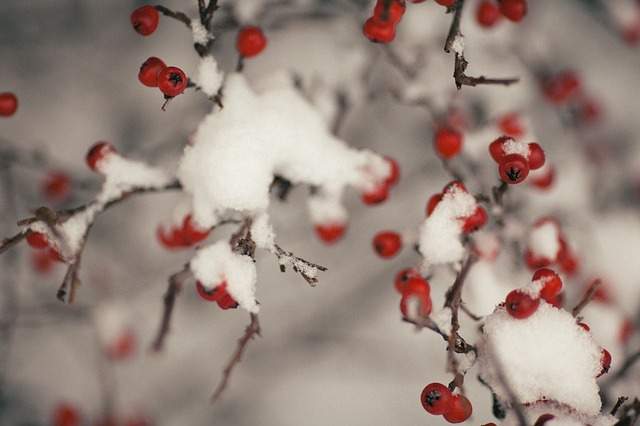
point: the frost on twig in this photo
(308, 270)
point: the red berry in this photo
(226, 301)
(543, 419)
(566, 259)
(250, 41)
(436, 398)
(545, 180)
(37, 240)
(190, 233)
(475, 221)
(513, 168)
(626, 331)
(536, 156)
(145, 20)
(631, 33)
(98, 153)
(559, 88)
(416, 289)
(149, 71)
(534, 261)
(392, 14)
(446, 3)
(552, 284)
(584, 326)
(513, 10)
(520, 305)
(8, 104)
(56, 186)
(433, 203)
(387, 244)
(172, 81)
(510, 125)
(487, 14)
(173, 239)
(403, 277)
(42, 261)
(209, 295)
(394, 174)
(65, 415)
(376, 195)
(330, 233)
(496, 148)
(605, 361)
(459, 411)
(378, 31)
(447, 142)
(123, 347)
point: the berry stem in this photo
(175, 286)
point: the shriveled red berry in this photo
(387, 244)
(403, 277)
(250, 42)
(391, 14)
(446, 3)
(536, 156)
(447, 142)
(56, 186)
(552, 283)
(330, 233)
(436, 398)
(496, 148)
(65, 415)
(513, 169)
(475, 221)
(514, 10)
(97, 153)
(226, 301)
(37, 240)
(520, 305)
(418, 291)
(376, 195)
(510, 125)
(459, 411)
(394, 174)
(8, 104)
(433, 202)
(543, 419)
(487, 13)
(172, 81)
(145, 20)
(545, 180)
(149, 71)
(605, 361)
(584, 326)
(191, 233)
(378, 31)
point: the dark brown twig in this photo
(252, 330)
(621, 400)
(586, 298)
(175, 15)
(175, 286)
(9, 242)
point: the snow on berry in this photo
(217, 264)
(546, 356)
(543, 244)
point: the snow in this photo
(545, 356)
(216, 264)
(606, 322)
(440, 233)
(111, 320)
(516, 147)
(210, 77)
(200, 33)
(262, 232)
(458, 44)
(563, 416)
(238, 150)
(544, 240)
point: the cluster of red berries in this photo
(8, 104)
(437, 399)
(218, 294)
(470, 223)
(56, 186)
(565, 88)
(387, 244)
(490, 12)
(185, 235)
(332, 232)
(415, 293)
(522, 304)
(97, 154)
(514, 167)
(565, 257)
(46, 255)
(381, 27)
(250, 41)
(447, 142)
(171, 81)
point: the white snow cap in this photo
(440, 233)
(544, 240)
(546, 356)
(210, 77)
(511, 146)
(238, 150)
(216, 264)
(200, 33)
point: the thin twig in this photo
(250, 332)
(307, 269)
(586, 298)
(621, 400)
(9, 242)
(175, 15)
(175, 286)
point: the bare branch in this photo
(175, 15)
(252, 330)
(9, 242)
(175, 286)
(586, 298)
